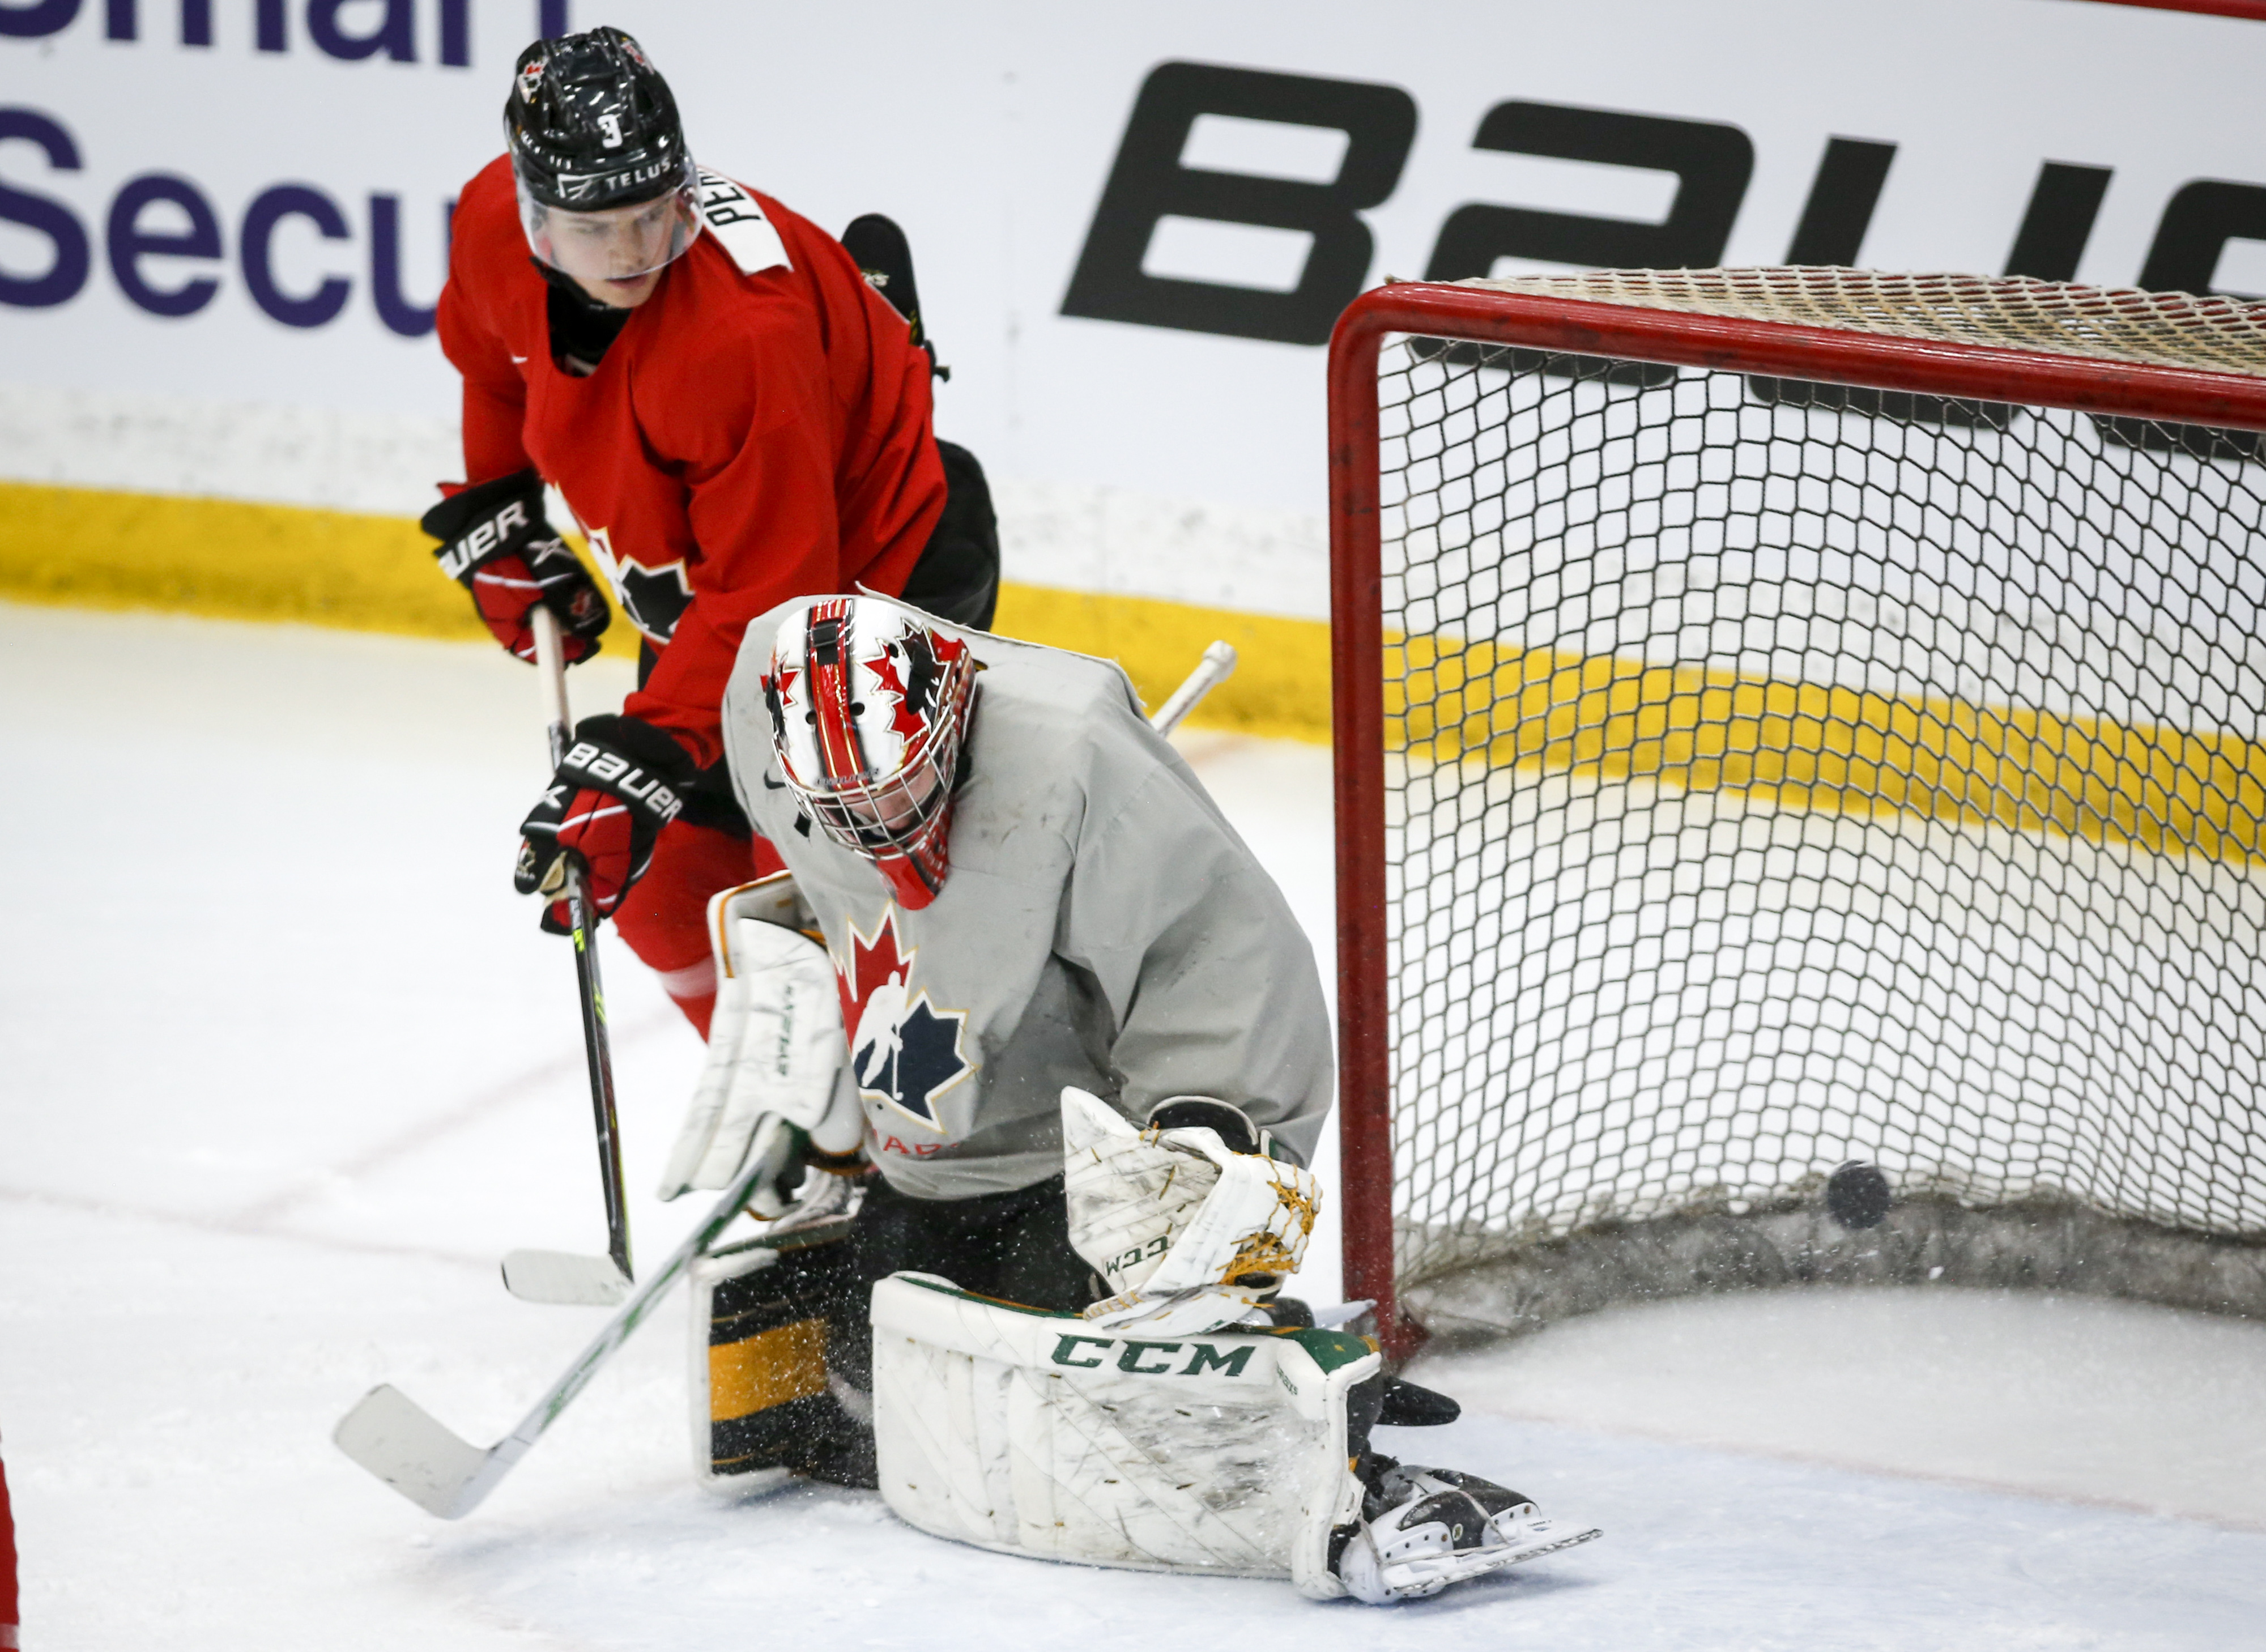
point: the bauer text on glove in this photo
(617, 785)
(496, 543)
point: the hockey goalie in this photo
(1023, 987)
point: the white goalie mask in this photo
(869, 710)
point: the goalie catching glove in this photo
(615, 789)
(497, 544)
(1190, 1221)
(771, 1089)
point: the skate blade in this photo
(565, 1279)
(1545, 1536)
(1417, 1579)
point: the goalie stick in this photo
(401, 1442)
(562, 1276)
(1216, 666)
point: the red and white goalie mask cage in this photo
(869, 709)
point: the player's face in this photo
(897, 805)
(617, 255)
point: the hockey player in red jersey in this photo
(1020, 963)
(735, 416)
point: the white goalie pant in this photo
(1033, 1433)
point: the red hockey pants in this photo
(664, 917)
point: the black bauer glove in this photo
(496, 544)
(619, 783)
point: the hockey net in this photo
(1788, 719)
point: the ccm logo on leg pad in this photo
(1150, 1359)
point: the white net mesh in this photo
(1774, 782)
(2127, 325)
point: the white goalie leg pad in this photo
(775, 1043)
(1172, 1219)
(1038, 1434)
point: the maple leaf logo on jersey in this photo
(654, 599)
(904, 1051)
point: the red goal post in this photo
(2174, 360)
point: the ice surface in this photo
(2075, 1396)
(287, 1068)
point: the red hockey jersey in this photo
(758, 431)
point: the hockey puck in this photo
(1857, 1196)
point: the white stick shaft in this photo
(1216, 666)
(551, 666)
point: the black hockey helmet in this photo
(591, 123)
(593, 131)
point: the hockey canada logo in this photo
(654, 599)
(904, 1051)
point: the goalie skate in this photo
(1524, 1530)
(1423, 1529)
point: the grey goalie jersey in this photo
(1102, 925)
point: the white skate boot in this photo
(1423, 1529)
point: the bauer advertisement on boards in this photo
(1134, 226)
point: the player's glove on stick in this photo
(616, 788)
(772, 1086)
(1189, 1221)
(496, 543)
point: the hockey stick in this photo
(562, 1276)
(397, 1440)
(1216, 666)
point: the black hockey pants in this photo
(1011, 1246)
(771, 1325)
